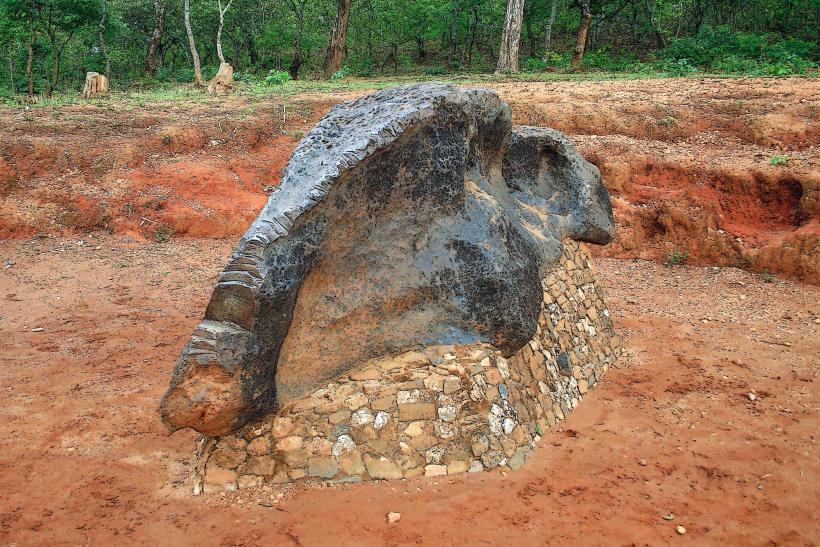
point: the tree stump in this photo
(95, 84)
(223, 81)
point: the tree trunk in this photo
(454, 34)
(299, 12)
(30, 58)
(103, 46)
(156, 37)
(511, 37)
(222, 12)
(336, 49)
(580, 45)
(548, 29)
(192, 45)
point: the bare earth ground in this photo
(671, 430)
(686, 162)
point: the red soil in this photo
(84, 458)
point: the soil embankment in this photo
(686, 161)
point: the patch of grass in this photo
(163, 233)
(766, 276)
(676, 257)
(779, 160)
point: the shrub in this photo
(779, 160)
(277, 77)
(676, 257)
(533, 65)
(340, 74)
(434, 70)
(163, 233)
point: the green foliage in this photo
(676, 257)
(766, 276)
(533, 65)
(277, 77)
(397, 37)
(779, 160)
(163, 233)
(719, 49)
(340, 74)
(434, 70)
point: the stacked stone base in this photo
(439, 411)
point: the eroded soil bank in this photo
(91, 328)
(686, 161)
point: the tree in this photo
(60, 20)
(336, 48)
(192, 45)
(298, 9)
(103, 46)
(222, 12)
(511, 37)
(548, 29)
(581, 42)
(156, 37)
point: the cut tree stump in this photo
(223, 81)
(95, 84)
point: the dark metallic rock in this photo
(409, 217)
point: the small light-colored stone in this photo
(493, 376)
(435, 470)
(282, 427)
(434, 382)
(356, 401)
(457, 466)
(445, 430)
(479, 444)
(414, 429)
(361, 417)
(408, 396)
(325, 468)
(290, 443)
(351, 463)
(476, 467)
(393, 517)
(259, 446)
(381, 420)
(435, 454)
(340, 416)
(452, 384)
(381, 468)
(343, 444)
(218, 479)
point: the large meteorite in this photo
(413, 216)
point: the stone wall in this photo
(439, 411)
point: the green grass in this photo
(176, 92)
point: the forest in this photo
(49, 45)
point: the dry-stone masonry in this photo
(440, 411)
(411, 219)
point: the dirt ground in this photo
(115, 220)
(671, 432)
(686, 162)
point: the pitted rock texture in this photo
(439, 411)
(411, 217)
